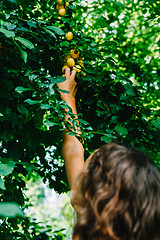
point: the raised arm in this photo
(72, 150)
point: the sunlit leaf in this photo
(11, 26)
(6, 169)
(2, 184)
(20, 89)
(83, 121)
(8, 209)
(50, 32)
(50, 124)
(57, 30)
(31, 24)
(25, 42)
(45, 106)
(32, 102)
(7, 33)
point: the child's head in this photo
(118, 196)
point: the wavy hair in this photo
(118, 196)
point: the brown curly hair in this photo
(118, 196)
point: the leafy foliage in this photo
(118, 99)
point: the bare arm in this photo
(72, 150)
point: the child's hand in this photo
(69, 84)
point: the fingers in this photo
(73, 74)
(67, 72)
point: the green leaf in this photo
(24, 55)
(101, 22)
(157, 123)
(129, 89)
(7, 33)
(23, 110)
(31, 24)
(99, 113)
(57, 30)
(32, 102)
(1, 115)
(63, 91)
(45, 106)
(2, 184)
(83, 121)
(20, 89)
(6, 169)
(60, 79)
(89, 128)
(28, 166)
(50, 32)
(25, 42)
(11, 26)
(22, 52)
(105, 139)
(121, 130)
(64, 44)
(8, 209)
(50, 124)
(51, 89)
(55, 80)
(124, 98)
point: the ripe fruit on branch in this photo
(61, 5)
(58, 7)
(69, 36)
(74, 54)
(66, 4)
(59, 2)
(62, 12)
(70, 62)
(77, 68)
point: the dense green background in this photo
(118, 99)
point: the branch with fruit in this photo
(61, 7)
(73, 60)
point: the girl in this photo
(116, 192)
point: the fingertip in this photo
(67, 71)
(73, 73)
